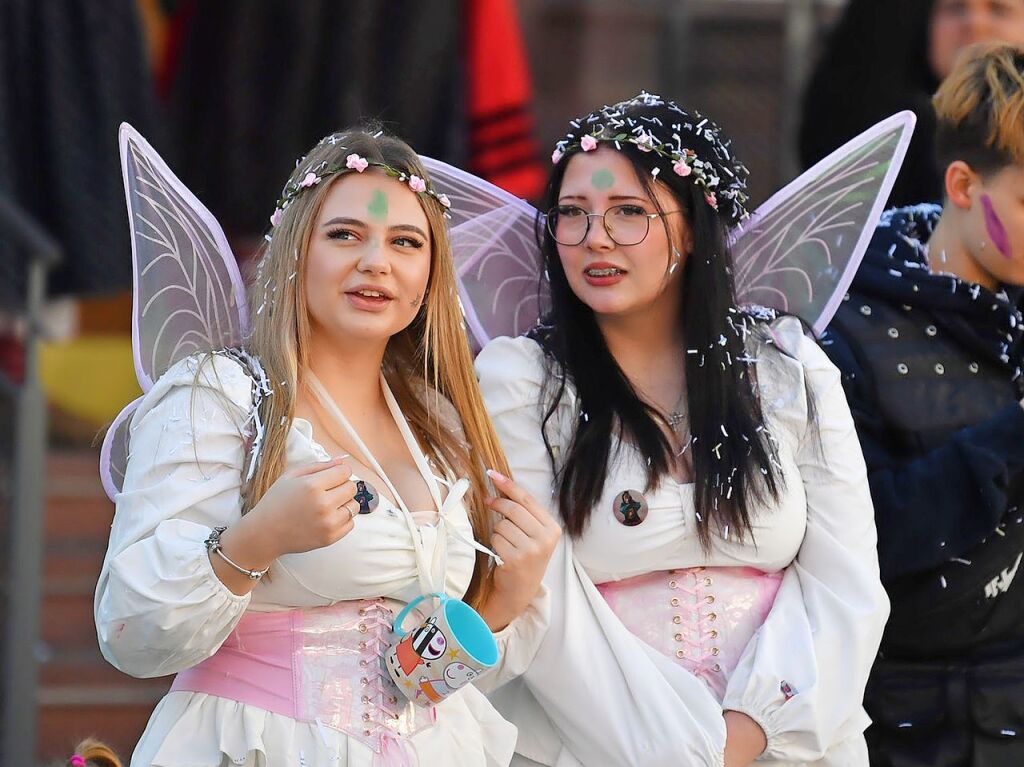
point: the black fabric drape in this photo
(260, 82)
(70, 72)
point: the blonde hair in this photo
(95, 753)
(434, 344)
(980, 109)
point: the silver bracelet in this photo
(213, 547)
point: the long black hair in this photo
(734, 462)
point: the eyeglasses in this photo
(625, 224)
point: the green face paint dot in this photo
(378, 207)
(602, 179)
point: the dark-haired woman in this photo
(717, 596)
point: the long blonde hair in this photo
(434, 346)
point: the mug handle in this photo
(400, 618)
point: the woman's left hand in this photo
(525, 539)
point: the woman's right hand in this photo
(306, 508)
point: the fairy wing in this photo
(497, 259)
(799, 251)
(188, 292)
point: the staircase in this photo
(80, 693)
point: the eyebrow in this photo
(356, 222)
(614, 197)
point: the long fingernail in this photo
(496, 475)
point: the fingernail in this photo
(496, 475)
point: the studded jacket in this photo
(931, 366)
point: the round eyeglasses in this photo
(625, 224)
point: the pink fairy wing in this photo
(188, 293)
(497, 258)
(799, 251)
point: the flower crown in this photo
(721, 177)
(317, 173)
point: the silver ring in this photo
(352, 513)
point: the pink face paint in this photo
(996, 230)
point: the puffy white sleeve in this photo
(593, 694)
(159, 606)
(802, 677)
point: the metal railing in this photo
(24, 578)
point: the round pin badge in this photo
(630, 507)
(366, 496)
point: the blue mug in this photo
(448, 650)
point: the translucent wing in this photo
(114, 451)
(188, 296)
(799, 251)
(497, 259)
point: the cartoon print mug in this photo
(445, 652)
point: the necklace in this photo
(675, 419)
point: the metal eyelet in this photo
(902, 369)
(715, 651)
(713, 633)
(678, 637)
(717, 668)
(712, 616)
(939, 368)
(680, 654)
(677, 619)
(973, 367)
(672, 584)
(364, 681)
(674, 601)
(364, 663)
(362, 628)
(894, 333)
(709, 599)
(366, 700)
(708, 581)
(865, 310)
(931, 330)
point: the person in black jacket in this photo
(929, 345)
(884, 57)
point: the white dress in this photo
(595, 694)
(161, 609)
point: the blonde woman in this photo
(343, 450)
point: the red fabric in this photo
(178, 24)
(502, 145)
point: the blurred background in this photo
(230, 93)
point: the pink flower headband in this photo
(713, 169)
(316, 174)
(77, 760)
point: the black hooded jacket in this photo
(931, 366)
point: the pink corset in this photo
(319, 665)
(703, 616)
